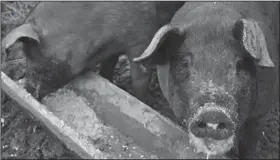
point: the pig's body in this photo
(218, 69)
(67, 38)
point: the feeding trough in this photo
(96, 119)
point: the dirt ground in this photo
(23, 137)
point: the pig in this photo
(62, 40)
(217, 66)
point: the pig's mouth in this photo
(31, 87)
(211, 146)
(38, 89)
(47, 76)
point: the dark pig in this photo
(217, 65)
(64, 39)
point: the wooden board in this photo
(95, 118)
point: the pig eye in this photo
(180, 68)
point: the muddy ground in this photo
(22, 136)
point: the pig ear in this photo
(162, 43)
(252, 38)
(23, 31)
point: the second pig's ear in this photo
(23, 31)
(29, 37)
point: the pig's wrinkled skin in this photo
(217, 65)
(64, 39)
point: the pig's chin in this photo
(211, 146)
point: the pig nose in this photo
(212, 124)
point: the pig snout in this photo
(212, 129)
(212, 124)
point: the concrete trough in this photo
(96, 119)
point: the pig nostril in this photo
(221, 126)
(212, 124)
(201, 124)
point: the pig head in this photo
(217, 66)
(64, 39)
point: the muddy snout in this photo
(212, 124)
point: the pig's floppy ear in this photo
(252, 38)
(166, 39)
(25, 30)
